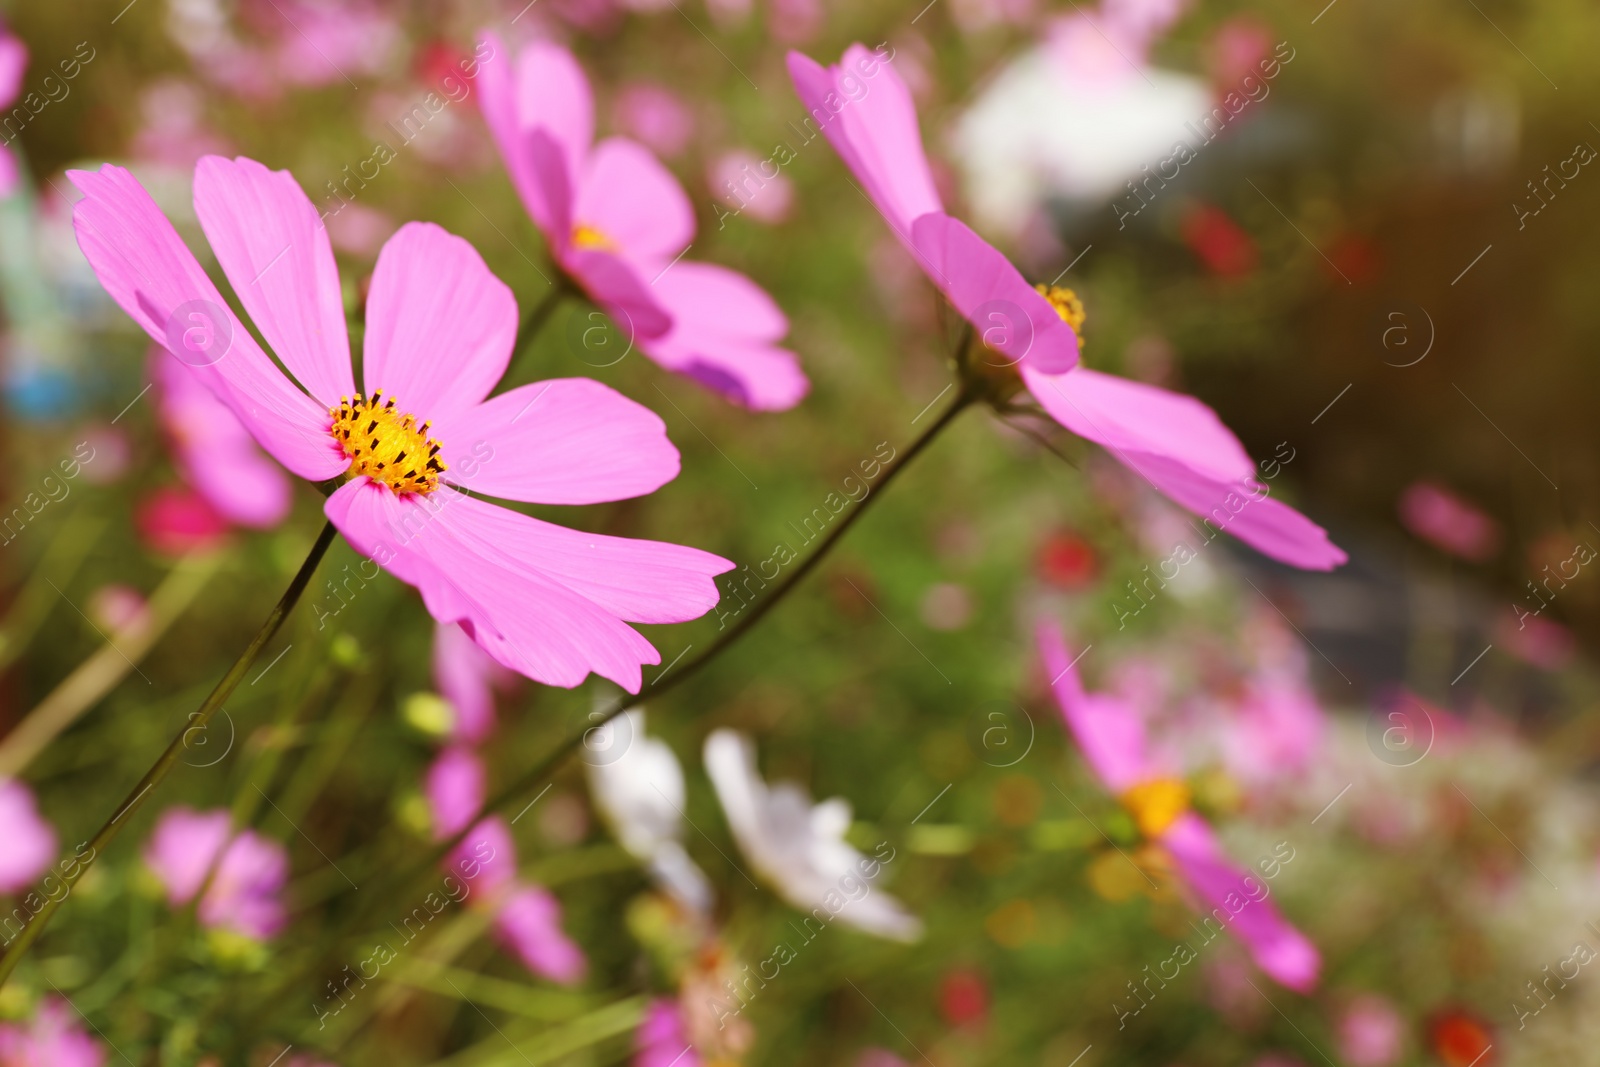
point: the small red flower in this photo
(963, 998)
(1218, 242)
(1067, 561)
(1461, 1039)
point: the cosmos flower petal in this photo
(29, 842)
(1281, 951)
(464, 674)
(152, 275)
(562, 441)
(553, 94)
(526, 620)
(440, 326)
(626, 295)
(1124, 415)
(1108, 731)
(633, 579)
(1009, 315)
(634, 202)
(13, 65)
(214, 452)
(55, 1037)
(871, 121)
(455, 785)
(497, 98)
(274, 249)
(529, 923)
(723, 331)
(1242, 509)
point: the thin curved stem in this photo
(538, 317)
(152, 778)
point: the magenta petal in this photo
(486, 859)
(215, 453)
(1269, 526)
(723, 329)
(275, 251)
(13, 64)
(497, 97)
(553, 94)
(455, 550)
(244, 893)
(10, 172)
(1281, 951)
(1124, 415)
(635, 202)
(529, 922)
(455, 786)
(54, 1038)
(872, 122)
(182, 847)
(563, 441)
(462, 672)
(618, 287)
(1010, 316)
(439, 326)
(1109, 731)
(27, 843)
(152, 275)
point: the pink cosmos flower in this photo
(1449, 522)
(119, 608)
(213, 451)
(527, 918)
(13, 64)
(662, 1038)
(468, 678)
(1111, 735)
(54, 1038)
(244, 893)
(548, 602)
(27, 842)
(1371, 1032)
(736, 179)
(1175, 442)
(617, 224)
(655, 115)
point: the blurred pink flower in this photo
(1236, 48)
(549, 602)
(655, 115)
(617, 223)
(1449, 522)
(244, 893)
(1175, 442)
(974, 16)
(13, 65)
(529, 924)
(455, 786)
(321, 42)
(119, 608)
(27, 842)
(55, 1037)
(737, 179)
(1371, 1032)
(1275, 726)
(358, 230)
(1111, 736)
(1545, 644)
(173, 130)
(662, 1038)
(729, 13)
(213, 451)
(173, 521)
(467, 677)
(795, 21)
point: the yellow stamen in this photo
(387, 445)
(586, 236)
(1066, 303)
(1156, 804)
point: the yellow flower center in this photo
(1066, 303)
(1156, 804)
(586, 236)
(386, 445)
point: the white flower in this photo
(640, 794)
(799, 849)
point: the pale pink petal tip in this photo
(27, 842)
(530, 924)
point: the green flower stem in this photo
(163, 765)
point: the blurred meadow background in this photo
(1379, 274)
